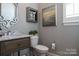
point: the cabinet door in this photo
(9, 46)
(23, 43)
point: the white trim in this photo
(56, 13)
(71, 23)
(64, 11)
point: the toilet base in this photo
(34, 52)
(52, 54)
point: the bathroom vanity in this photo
(11, 44)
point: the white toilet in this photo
(41, 49)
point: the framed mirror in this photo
(31, 15)
(8, 14)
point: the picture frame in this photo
(49, 16)
(31, 15)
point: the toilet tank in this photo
(34, 40)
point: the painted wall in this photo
(23, 26)
(65, 36)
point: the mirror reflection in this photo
(8, 14)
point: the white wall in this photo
(23, 26)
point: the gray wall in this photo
(65, 36)
(23, 26)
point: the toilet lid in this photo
(41, 47)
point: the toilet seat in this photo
(41, 47)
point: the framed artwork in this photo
(31, 15)
(49, 16)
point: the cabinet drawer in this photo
(23, 43)
(14, 45)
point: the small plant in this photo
(33, 32)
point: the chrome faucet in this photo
(8, 32)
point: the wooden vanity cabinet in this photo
(10, 46)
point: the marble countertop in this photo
(11, 37)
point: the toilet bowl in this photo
(41, 49)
